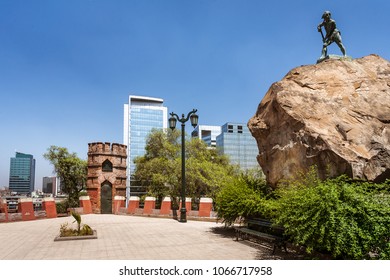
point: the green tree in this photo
(160, 168)
(207, 171)
(157, 169)
(71, 170)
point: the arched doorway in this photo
(106, 198)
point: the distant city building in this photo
(5, 192)
(22, 173)
(141, 115)
(233, 140)
(237, 142)
(207, 133)
(49, 185)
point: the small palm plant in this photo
(77, 218)
(65, 230)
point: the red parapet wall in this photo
(49, 206)
(119, 202)
(166, 206)
(133, 204)
(188, 204)
(205, 207)
(149, 209)
(26, 208)
(150, 205)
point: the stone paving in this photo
(123, 237)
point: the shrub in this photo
(240, 199)
(65, 230)
(349, 219)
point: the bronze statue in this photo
(332, 35)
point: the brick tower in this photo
(106, 175)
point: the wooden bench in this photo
(265, 230)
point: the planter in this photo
(76, 237)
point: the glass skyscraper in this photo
(207, 133)
(141, 115)
(237, 142)
(22, 173)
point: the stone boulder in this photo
(335, 115)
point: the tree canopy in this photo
(160, 168)
(71, 170)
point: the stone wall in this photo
(106, 164)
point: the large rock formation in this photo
(335, 114)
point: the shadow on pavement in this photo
(265, 248)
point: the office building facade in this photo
(22, 173)
(237, 142)
(141, 115)
(49, 185)
(207, 133)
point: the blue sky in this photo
(67, 67)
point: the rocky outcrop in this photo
(335, 114)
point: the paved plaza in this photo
(125, 237)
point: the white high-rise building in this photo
(141, 115)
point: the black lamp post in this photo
(172, 125)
